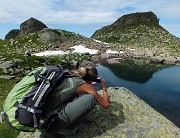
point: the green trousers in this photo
(71, 114)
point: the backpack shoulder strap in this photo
(43, 88)
(1, 113)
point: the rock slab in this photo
(128, 117)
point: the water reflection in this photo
(157, 84)
(139, 71)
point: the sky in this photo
(85, 16)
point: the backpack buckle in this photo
(1, 117)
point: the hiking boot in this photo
(86, 121)
(47, 135)
(66, 132)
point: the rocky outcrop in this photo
(12, 34)
(10, 68)
(30, 26)
(136, 19)
(127, 117)
(14, 67)
(51, 36)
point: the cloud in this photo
(19, 10)
(83, 12)
(162, 8)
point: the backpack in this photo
(24, 104)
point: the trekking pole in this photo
(44, 89)
(41, 86)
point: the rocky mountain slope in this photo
(35, 36)
(137, 35)
(139, 30)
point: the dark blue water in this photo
(158, 85)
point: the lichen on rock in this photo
(128, 117)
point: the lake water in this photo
(156, 84)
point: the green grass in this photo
(5, 87)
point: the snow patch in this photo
(109, 51)
(100, 41)
(50, 53)
(83, 49)
(77, 49)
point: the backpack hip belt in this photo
(29, 109)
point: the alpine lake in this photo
(157, 84)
